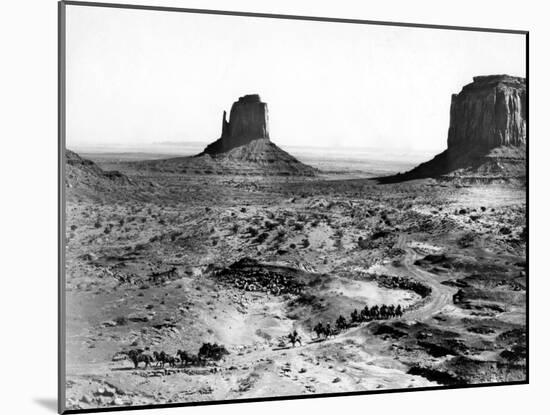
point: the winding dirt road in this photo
(441, 295)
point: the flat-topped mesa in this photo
(248, 121)
(487, 133)
(488, 113)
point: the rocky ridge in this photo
(84, 173)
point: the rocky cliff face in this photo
(248, 118)
(487, 133)
(488, 113)
(248, 121)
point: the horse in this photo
(328, 331)
(187, 358)
(171, 360)
(319, 330)
(398, 311)
(160, 358)
(341, 323)
(294, 338)
(136, 356)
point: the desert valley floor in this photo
(162, 261)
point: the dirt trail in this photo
(441, 295)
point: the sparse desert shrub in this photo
(305, 243)
(252, 231)
(298, 226)
(466, 240)
(73, 227)
(269, 225)
(379, 233)
(262, 237)
(362, 243)
(505, 230)
(235, 228)
(121, 321)
(98, 224)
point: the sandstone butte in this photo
(245, 139)
(487, 134)
(249, 121)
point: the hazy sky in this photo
(136, 78)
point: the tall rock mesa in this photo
(488, 113)
(248, 121)
(487, 133)
(245, 147)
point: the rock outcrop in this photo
(248, 121)
(85, 179)
(487, 133)
(488, 113)
(80, 171)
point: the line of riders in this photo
(376, 312)
(207, 352)
(214, 351)
(367, 314)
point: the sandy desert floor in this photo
(157, 265)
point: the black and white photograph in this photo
(262, 207)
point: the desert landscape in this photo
(242, 272)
